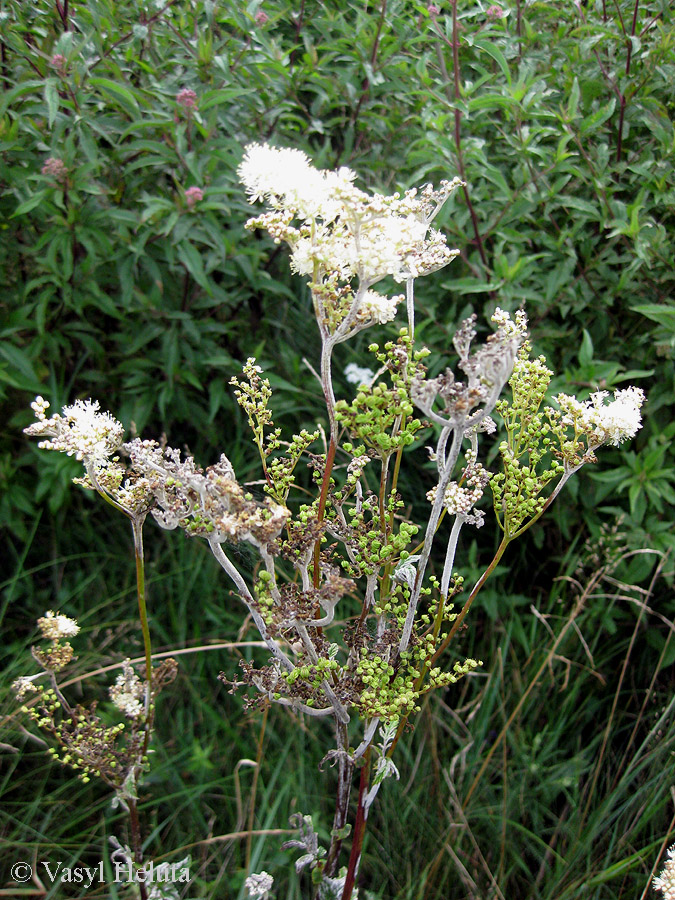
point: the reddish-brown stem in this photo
(359, 832)
(629, 56)
(136, 844)
(455, 98)
(365, 84)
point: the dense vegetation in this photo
(121, 284)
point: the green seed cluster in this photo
(336, 299)
(280, 470)
(380, 415)
(86, 745)
(373, 549)
(386, 694)
(264, 596)
(313, 675)
(517, 491)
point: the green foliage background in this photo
(560, 119)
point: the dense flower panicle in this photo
(258, 886)
(128, 692)
(54, 626)
(23, 686)
(355, 374)
(193, 195)
(460, 498)
(187, 98)
(603, 423)
(210, 502)
(378, 308)
(82, 431)
(56, 169)
(341, 229)
(665, 880)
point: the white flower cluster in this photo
(259, 886)
(509, 327)
(377, 308)
(665, 881)
(458, 499)
(55, 626)
(23, 686)
(128, 692)
(342, 229)
(603, 423)
(355, 374)
(81, 431)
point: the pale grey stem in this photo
(340, 712)
(303, 708)
(450, 554)
(371, 583)
(327, 345)
(410, 304)
(345, 771)
(343, 332)
(248, 600)
(368, 735)
(441, 463)
(429, 539)
(304, 574)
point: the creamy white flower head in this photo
(610, 423)
(258, 886)
(378, 308)
(81, 431)
(55, 626)
(344, 231)
(286, 178)
(128, 692)
(355, 374)
(507, 326)
(665, 880)
(23, 686)
(460, 499)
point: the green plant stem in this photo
(137, 528)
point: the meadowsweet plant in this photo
(354, 623)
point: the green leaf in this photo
(52, 99)
(573, 103)
(586, 349)
(590, 123)
(657, 312)
(191, 259)
(31, 203)
(118, 94)
(494, 51)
